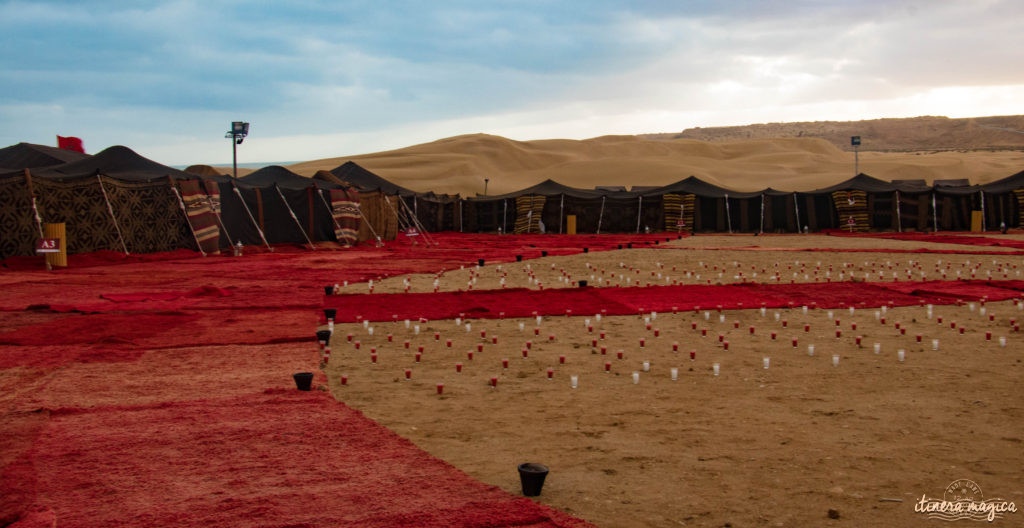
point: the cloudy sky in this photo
(329, 78)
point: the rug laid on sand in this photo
(521, 302)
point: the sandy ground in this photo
(750, 447)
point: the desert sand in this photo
(791, 445)
(459, 165)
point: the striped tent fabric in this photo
(674, 204)
(213, 194)
(1019, 195)
(528, 211)
(852, 204)
(345, 208)
(200, 216)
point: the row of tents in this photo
(862, 204)
(119, 200)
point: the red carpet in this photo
(282, 458)
(941, 238)
(489, 304)
(156, 390)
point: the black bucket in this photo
(304, 380)
(519, 258)
(328, 290)
(480, 262)
(330, 313)
(586, 250)
(583, 284)
(323, 335)
(532, 475)
(620, 246)
(629, 245)
(543, 253)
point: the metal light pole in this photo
(486, 180)
(239, 130)
(855, 141)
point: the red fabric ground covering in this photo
(941, 238)
(162, 396)
(283, 458)
(488, 304)
(286, 278)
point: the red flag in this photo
(70, 143)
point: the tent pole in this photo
(682, 211)
(330, 210)
(796, 205)
(899, 216)
(398, 217)
(416, 221)
(728, 217)
(600, 216)
(529, 218)
(110, 209)
(639, 212)
(35, 212)
(982, 194)
(216, 213)
(285, 202)
(561, 208)
(504, 217)
(181, 203)
(935, 215)
(359, 209)
(762, 213)
(251, 217)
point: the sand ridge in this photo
(460, 164)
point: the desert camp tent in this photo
(704, 207)
(1003, 201)
(114, 200)
(429, 211)
(31, 156)
(118, 200)
(289, 208)
(550, 203)
(863, 203)
(379, 219)
(688, 205)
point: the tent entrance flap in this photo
(678, 212)
(528, 214)
(852, 208)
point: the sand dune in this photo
(460, 164)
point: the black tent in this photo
(118, 162)
(595, 210)
(355, 175)
(289, 208)
(433, 212)
(115, 200)
(715, 209)
(1004, 201)
(31, 156)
